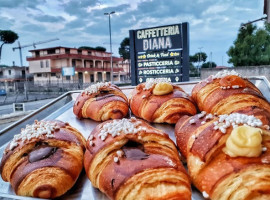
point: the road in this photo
(7, 109)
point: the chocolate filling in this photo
(134, 151)
(41, 152)
(112, 183)
(103, 96)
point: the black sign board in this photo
(160, 52)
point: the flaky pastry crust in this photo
(168, 108)
(107, 102)
(217, 175)
(231, 94)
(44, 164)
(140, 162)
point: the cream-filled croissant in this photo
(228, 156)
(160, 101)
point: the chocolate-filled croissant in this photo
(101, 102)
(44, 160)
(228, 156)
(160, 101)
(128, 159)
(228, 92)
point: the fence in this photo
(41, 90)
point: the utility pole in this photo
(210, 65)
(200, 58)
(20, 47)
(222, 60)
(109, 14)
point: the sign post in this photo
(68, 71)
(18, 107)
(160, 52)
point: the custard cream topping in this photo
(244, 141)
(162, 88)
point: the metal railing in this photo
(39, 90)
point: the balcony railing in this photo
(16, 76)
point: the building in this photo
(89, 65)
(126, 65)
(12, 78)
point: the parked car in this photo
(3, 92)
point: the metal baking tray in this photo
(61, 109)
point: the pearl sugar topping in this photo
(234, 120)
(96, 87)
(117, 127)
(205, 195)
(224, 73)
(39, 128)
(153, 81)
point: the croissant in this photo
(228, 92)
(129, 159)
(101, 102)
(228, 156)
(44, 160)
(159, 101)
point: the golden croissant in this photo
(228, 156)
(101, 102)
(128, 159)
(228, 92)
(44, 160)
(160, 101)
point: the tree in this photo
(193, 71)
(124, 49)
(7, 37)
(198, 57)
(98, 48)
(209, 65)
(251, 47)
(86, 48)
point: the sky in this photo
(213, 24)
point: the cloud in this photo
(213, 23)
(216, 9)
(48, 18)
(20, 3)
(6, 23)
(33, 28)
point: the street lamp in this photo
(109, 14)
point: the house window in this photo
(9, 72)
(41, 64)
(53, 74)
(47, 63)
(51, 51)
(39, 75)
